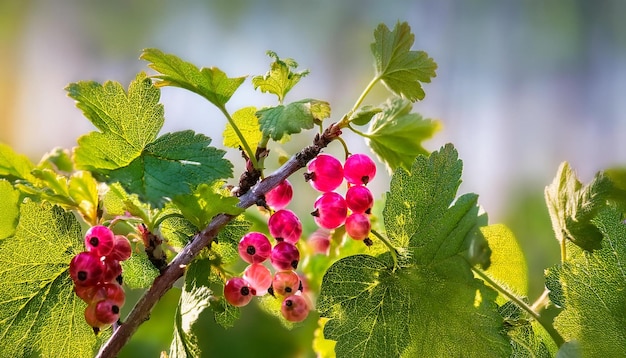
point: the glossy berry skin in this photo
(254, 247)
(107, 311)
(359, 199)
(109, 291)
(359, 169)
(100, 240)
(284, 225)
(121, 249)
(279, 197)
(285, 256)
(86, 269)
(112, 269)
(330, 210)
(295, 308)
(259, 277)
(238, 292)
(286, 283)
(325, 173)
(91, 319)
(358, 226)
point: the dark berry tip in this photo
(288, 289)
(96, 330)
(245, 291)
(119, 279)
(368, 211)
(115, 309)
(309, 176)
(94, 241)
(250, 250)
(294, 264)
(315, 213)
(288, 303)
(300, 287)
(82, 275)
(368, 242)
(365, 179)
(270, 290)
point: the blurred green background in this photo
(521, 86)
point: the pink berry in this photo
(279, 197)
(358, 226)
(319, 241)
(91, 318)
(107, 311)
(259, 277)
(100, 240)
(359, 199)
(112, 269)
(295, 308)
(286, 283)
(238, 292)
(285, 256)
(121, 249)
(254, 247)
(330, 210)
(86, 269)
(359, 169)
(285, 225)
(109, 291)
(325, 173)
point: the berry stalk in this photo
(176, 269)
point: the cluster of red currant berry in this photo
(255, 248)
(325, 173)
(97, 275)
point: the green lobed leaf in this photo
(594, 293)
(402, 70)
(210, 83)
(528, 338)
(194, 299)
(364, 115)
(9, 209)
(396, 135)
(171, 166)
(508, 264)
(39, 312)
(572, 205)
(128, 121)
(58, 159)
(367, 298)
(246, 120)
(139, 272)
(14, 166)
(276, 122)
(280, 79)
(412, 312)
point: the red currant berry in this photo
(100, 240)
(86, 269)
(325, 173)
(254, 247)
(359, 199)
(295, 308)
(91, 318)
(285, 256)
(279, 197)
(259, 277)
(359, 169)
(286, 283)
(107, 311)
(284, 225)
(319, 241)
(86, 293)
(112, 269)
(330, 210)
(358, 226)
(238, 292)
(121, 249)
(109, 291)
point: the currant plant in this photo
(416, 272)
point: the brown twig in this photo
(176, 269)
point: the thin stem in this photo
(541, 301)
(242, 139)
(345, 147)
(523, 305)
(563, 243)
(362, 134)
(159, 220)
(393, 250)
(346, 119)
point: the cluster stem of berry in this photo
(176, 269)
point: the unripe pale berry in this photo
(284, 225)
(100, 240)
(295, 308)
(359, 169)
(110, 291)
(238, 292)
(285, 256)
(319, 241)
(259, 277)
(359, 199)
(254, 247)
(330, 210)
(325, 173)
(279, 197)
(86, 269)
(358, 226)
(286, 283)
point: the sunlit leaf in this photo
(248, 124)
(276, 122)
(280, 79)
